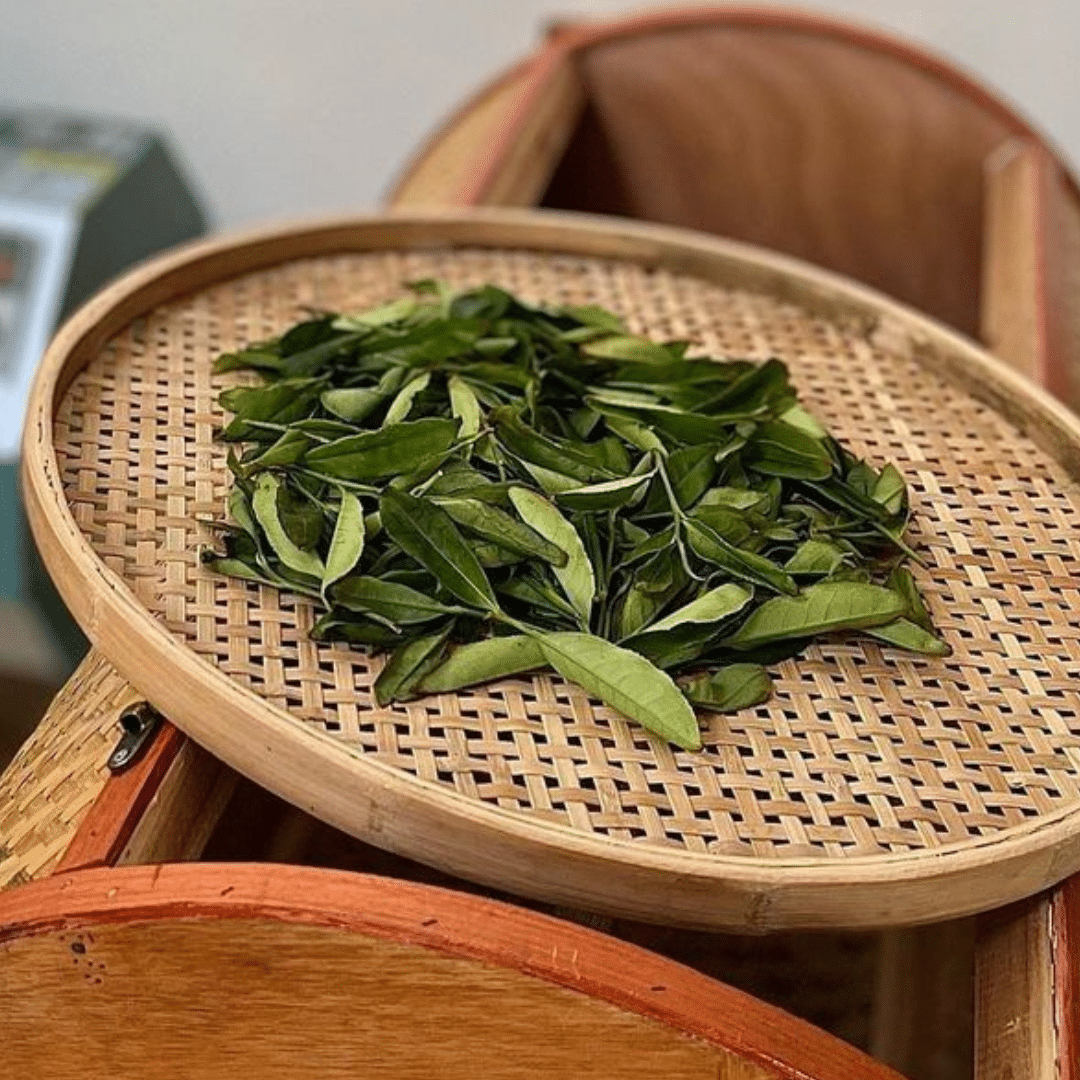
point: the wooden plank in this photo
(289, 971)
(183, 812)
(1015, 1034)
(1065, 944)
(1012, 317)
(115, 815)
(525, 153)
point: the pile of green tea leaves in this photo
(483, 487)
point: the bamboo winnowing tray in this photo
(874, 788)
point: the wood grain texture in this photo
(806, 875)
(1016, 1037)
(182, 812)
(1012, 321)
(298, 972)
(1065, 928)
(923, 1001)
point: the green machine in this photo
(81, 200)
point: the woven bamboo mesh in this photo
(862, 750)
(50, 785)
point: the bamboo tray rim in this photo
(119, 624)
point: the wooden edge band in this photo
(1065, 920)
(450, 923)
(114, 815)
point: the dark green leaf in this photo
(485, 661)
(734, 687)
(429, 535)
(500, 528)
(375, 455)
(390, 600)
(744, 565)
(407, 667)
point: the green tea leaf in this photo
(905, 634)
(734, 687)
(347, 543)
(392, 601)
(576, 577)
(265, 505)
(464, 406)
(778, 449)
(401, 406)
(500, 528)
(819, 609)
(430, 536)
(745, 565)
(485, 661)
(709, 608)
(352, 403)
(625, 681)
(609, 495)
(890, 490)
(376, 455)
(624, 347)
(407, 667)
(815, 557)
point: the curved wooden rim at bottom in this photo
(450, 923)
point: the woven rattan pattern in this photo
(58, 773)
(860, 752)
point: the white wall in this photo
(285, 108)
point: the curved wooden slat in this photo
(283, 971)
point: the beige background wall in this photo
(285, 107)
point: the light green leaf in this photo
(711, 607)
(625, 347)
(347, 543)
(465, 406)
(815, 557)
(485, 661)
(576, 577)
(352, 403)
(819, 609)
(625, 681)
(383, 315)
(610, 495)
(890, 490)
(265, 505)
(402, 404)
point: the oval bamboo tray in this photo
(873, 789)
